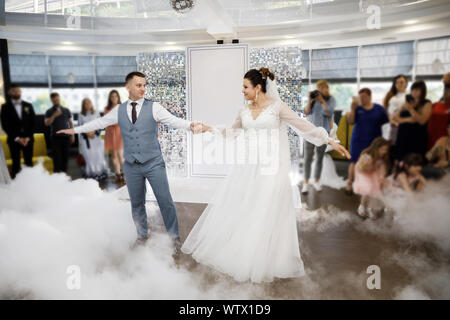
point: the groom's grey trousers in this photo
(155, 172)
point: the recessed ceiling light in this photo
(410, 21)
(289, 37)
(170, 43)
(67, 42)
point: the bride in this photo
(249, 229)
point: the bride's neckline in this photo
(263, 110)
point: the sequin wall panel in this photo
(166, 76)
(166, 83)
(286, 64)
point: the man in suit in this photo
(18, 121)
(138, 121)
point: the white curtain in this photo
(433, 56)
(337, 63)
(386, 60)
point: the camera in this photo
(314, 94)
(409, 98)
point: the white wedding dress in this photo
(249, 229)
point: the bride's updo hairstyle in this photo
(259, 77)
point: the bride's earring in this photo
(256, 97)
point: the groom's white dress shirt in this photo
(159, 114)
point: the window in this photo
(343, 93)
(74, 104)
(103, 96)
(38, 97)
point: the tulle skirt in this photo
(249, 229)
(367, 184)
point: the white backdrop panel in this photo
(214, 90)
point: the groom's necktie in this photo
(133, 112)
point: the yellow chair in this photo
(344, 134)
(39, 152)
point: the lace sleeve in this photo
(313, 134)
(235, 128)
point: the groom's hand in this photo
(198, 127)
(66, 131)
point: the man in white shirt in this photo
(137, 118)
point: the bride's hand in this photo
(339, 148)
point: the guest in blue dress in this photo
(367, 117)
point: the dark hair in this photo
(411, 159)
(54, 95)
(420, 84)
(393, 91)
(83, 106)
(259, 77)
(110, 105)
(13, 85)
(366, 91)
(134, 74)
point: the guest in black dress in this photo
(412, 136)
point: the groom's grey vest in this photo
(140, 140)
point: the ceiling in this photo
(129, 27)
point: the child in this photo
(407, 175)
(370, 170)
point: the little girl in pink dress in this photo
(370, 170)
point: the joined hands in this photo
(198, 127)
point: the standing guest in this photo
(91, 144)
(393, 101)
(445, 82)
(320, 107)
(59, 118)
(18, 121)
(113, 137)
(440, 115)
(367, 118)
(370, 171)
(412, 136)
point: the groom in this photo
(138, 121)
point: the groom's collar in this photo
(140, 101)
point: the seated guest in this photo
(412, 135)
(440, 115)
(368, 119)
(18, 121)
(438, 155)
(407, 176)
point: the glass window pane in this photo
(38, 97)
(103, 94)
